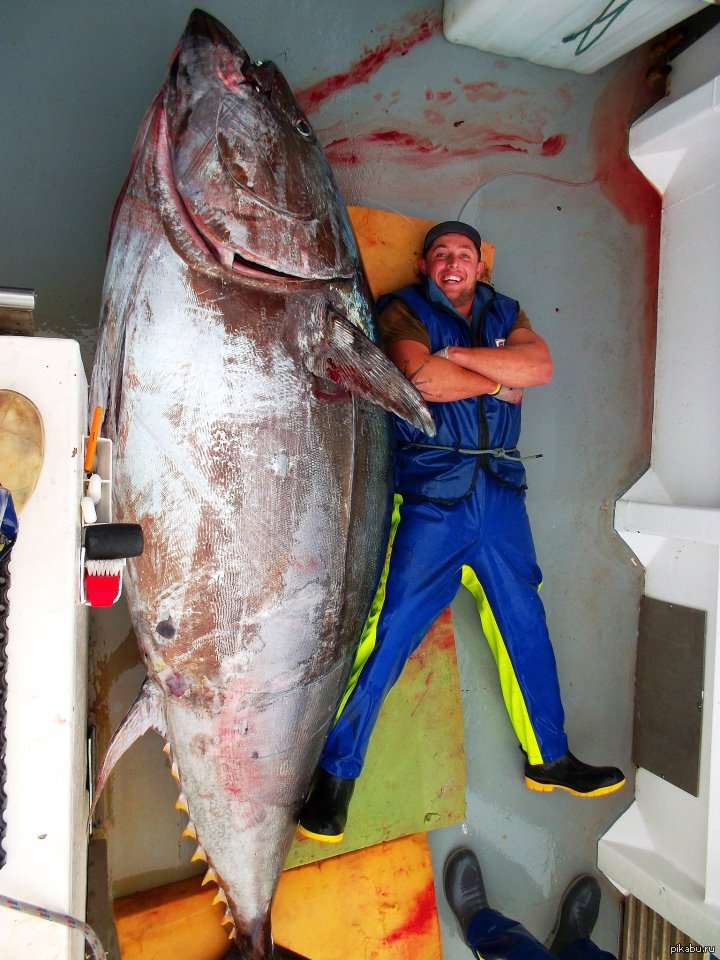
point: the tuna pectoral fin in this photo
(145, 714)
(348, 358)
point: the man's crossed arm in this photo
(461, 372)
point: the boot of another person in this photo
(464, 887)
(325, 812)
(572, 775)
(577, 914)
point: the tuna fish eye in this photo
(304, 128)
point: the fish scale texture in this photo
(246, 403)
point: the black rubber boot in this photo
(464, 887)
(577, 915)
(572, 775)
(325, 812)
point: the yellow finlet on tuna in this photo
(219, 897)
(181, 803)
(210, 877)
(199, 855)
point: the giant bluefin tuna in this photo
(244, 397)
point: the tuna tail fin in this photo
(146, 713)
(350, 359)
(255, 942)
(278, 953)
(283, 953)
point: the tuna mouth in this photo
(248, 268)
(232, 259)
(241, 266)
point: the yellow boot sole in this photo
(549, 787)
(322, 837)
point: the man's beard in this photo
(461, 299)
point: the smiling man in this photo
(459, 518)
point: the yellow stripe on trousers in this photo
(368, 638)
(512, 694)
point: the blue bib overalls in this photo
(459, 517)
(493, 936)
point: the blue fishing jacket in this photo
(443, 469)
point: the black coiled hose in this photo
(4, 587)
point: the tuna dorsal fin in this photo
(145, 714)
(350, 359)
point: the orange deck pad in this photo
(375, 904)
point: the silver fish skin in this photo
(246, 402)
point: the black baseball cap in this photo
(452, 226)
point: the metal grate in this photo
(670, 668)
(648, 936)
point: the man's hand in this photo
(437, 379)
(510, 394)
(507, 394)
(524, 361)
